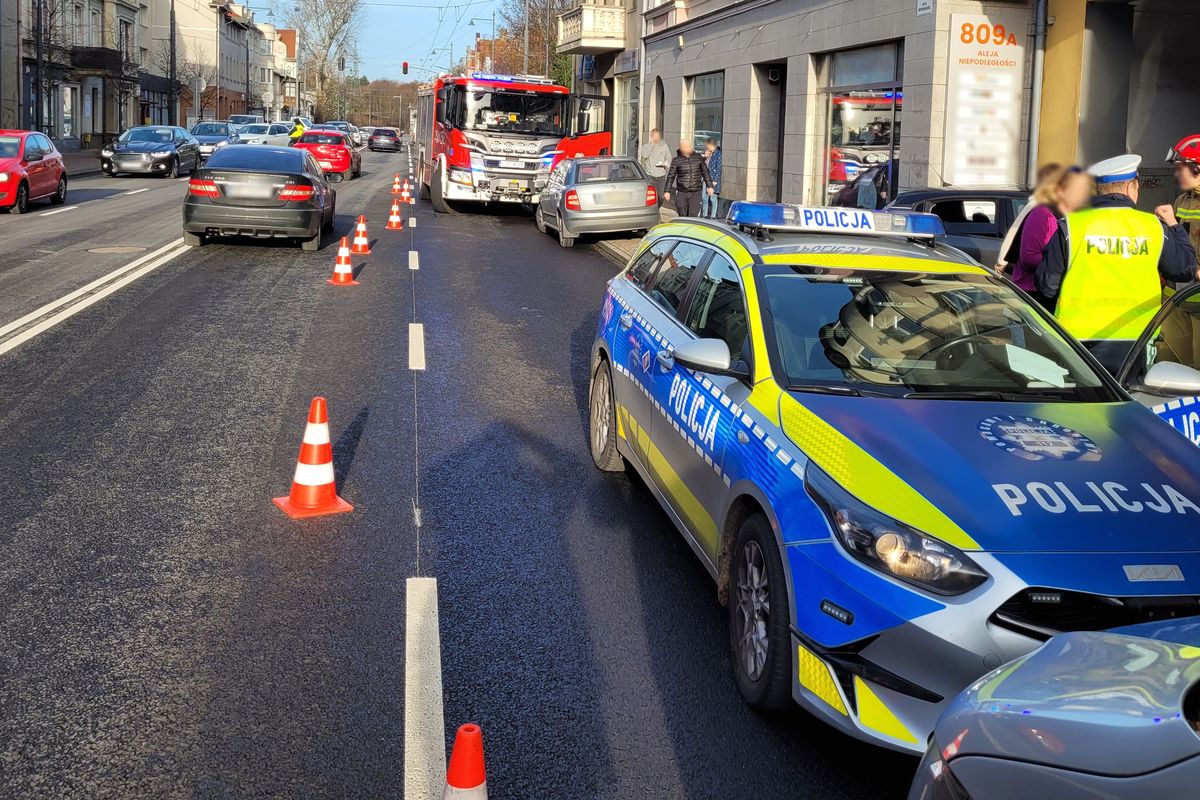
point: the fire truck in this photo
(494, 138)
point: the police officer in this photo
(1104, 268)
(1181, 329)
(297, 130)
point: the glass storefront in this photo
(708, 107)
(862, 100)
(625, 131)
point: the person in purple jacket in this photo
(1059, 193)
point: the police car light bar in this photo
(786, 217)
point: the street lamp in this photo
(474, 21)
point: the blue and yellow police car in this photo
(899, 470)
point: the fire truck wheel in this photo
(440, 204)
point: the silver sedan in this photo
(605, 194)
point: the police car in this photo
(900, 472)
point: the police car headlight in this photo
(889, 545)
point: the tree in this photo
(328, 30)
(191, 65)
(512, 14)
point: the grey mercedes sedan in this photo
(604, 194)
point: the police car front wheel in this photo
(602, 421)
(758, 618)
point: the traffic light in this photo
(341, 64)
(404, 67)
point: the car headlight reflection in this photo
(106, 152)
(3, 177)
(889, 545)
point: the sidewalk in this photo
(81, 162)
(619, 251)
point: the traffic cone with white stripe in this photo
(361, 245)
(343, 271)
(466, 778)
(396, 184)
(313, 490)
(394, 222)
(405, 197)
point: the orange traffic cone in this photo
(396, 184)
(465, 776)
(394, 221)
(361, 245)
(343, 272)
(405, 197)
(313, 490)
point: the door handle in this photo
(626, 321)
(666, 360)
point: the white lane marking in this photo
(412, 222)
(424, 715)
(57, 211)
(416, 346)
(87, 295)
(136, 191)
(413, 261)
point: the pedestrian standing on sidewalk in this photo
(1012, 241)
(710, 204)
(1061, 191)
(654, 156)
(687, 178)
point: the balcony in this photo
(592, 28)
(102, 60)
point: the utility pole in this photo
(173, 90)
(547, 72)
(39, 111)
(247, 95)
(525, 68)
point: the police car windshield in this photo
(920, 334)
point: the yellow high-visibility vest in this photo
(1111, 289)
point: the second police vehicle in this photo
(899, 470)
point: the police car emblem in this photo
(1035, 439)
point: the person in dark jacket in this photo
(687, 177)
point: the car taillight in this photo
(572, 200)
(651, 196)
(295, 193)
(201, 187)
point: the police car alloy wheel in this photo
(602, 421)
(758, 618)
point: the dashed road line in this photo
(57, 211)
(43, 319)
(416, 346)
(424, 715)
(413, 261)
(136, 191)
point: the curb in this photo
(613, 253)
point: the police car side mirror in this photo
(1171, 378)
(708, 355)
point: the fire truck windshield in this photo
(542, 114)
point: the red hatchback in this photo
(332, 150)
(31, 168)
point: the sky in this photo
(408, 30)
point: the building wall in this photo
(743, 41)
(10, 65)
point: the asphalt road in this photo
(166, 631)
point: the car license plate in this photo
(507, 164)
(250, 191)
(325, 165)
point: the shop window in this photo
(862, 101)
(708, 107)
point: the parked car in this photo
(212, 135)
(273, 133)
(384, 139)
(242, 120)
(352, 132)
(31, 168)
(151, 150)
(333, 151)
(975, 219)
(1087, 715)
(262, 192)
(606, 194)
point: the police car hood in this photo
(1035, 477)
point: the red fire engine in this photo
(494, 138)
